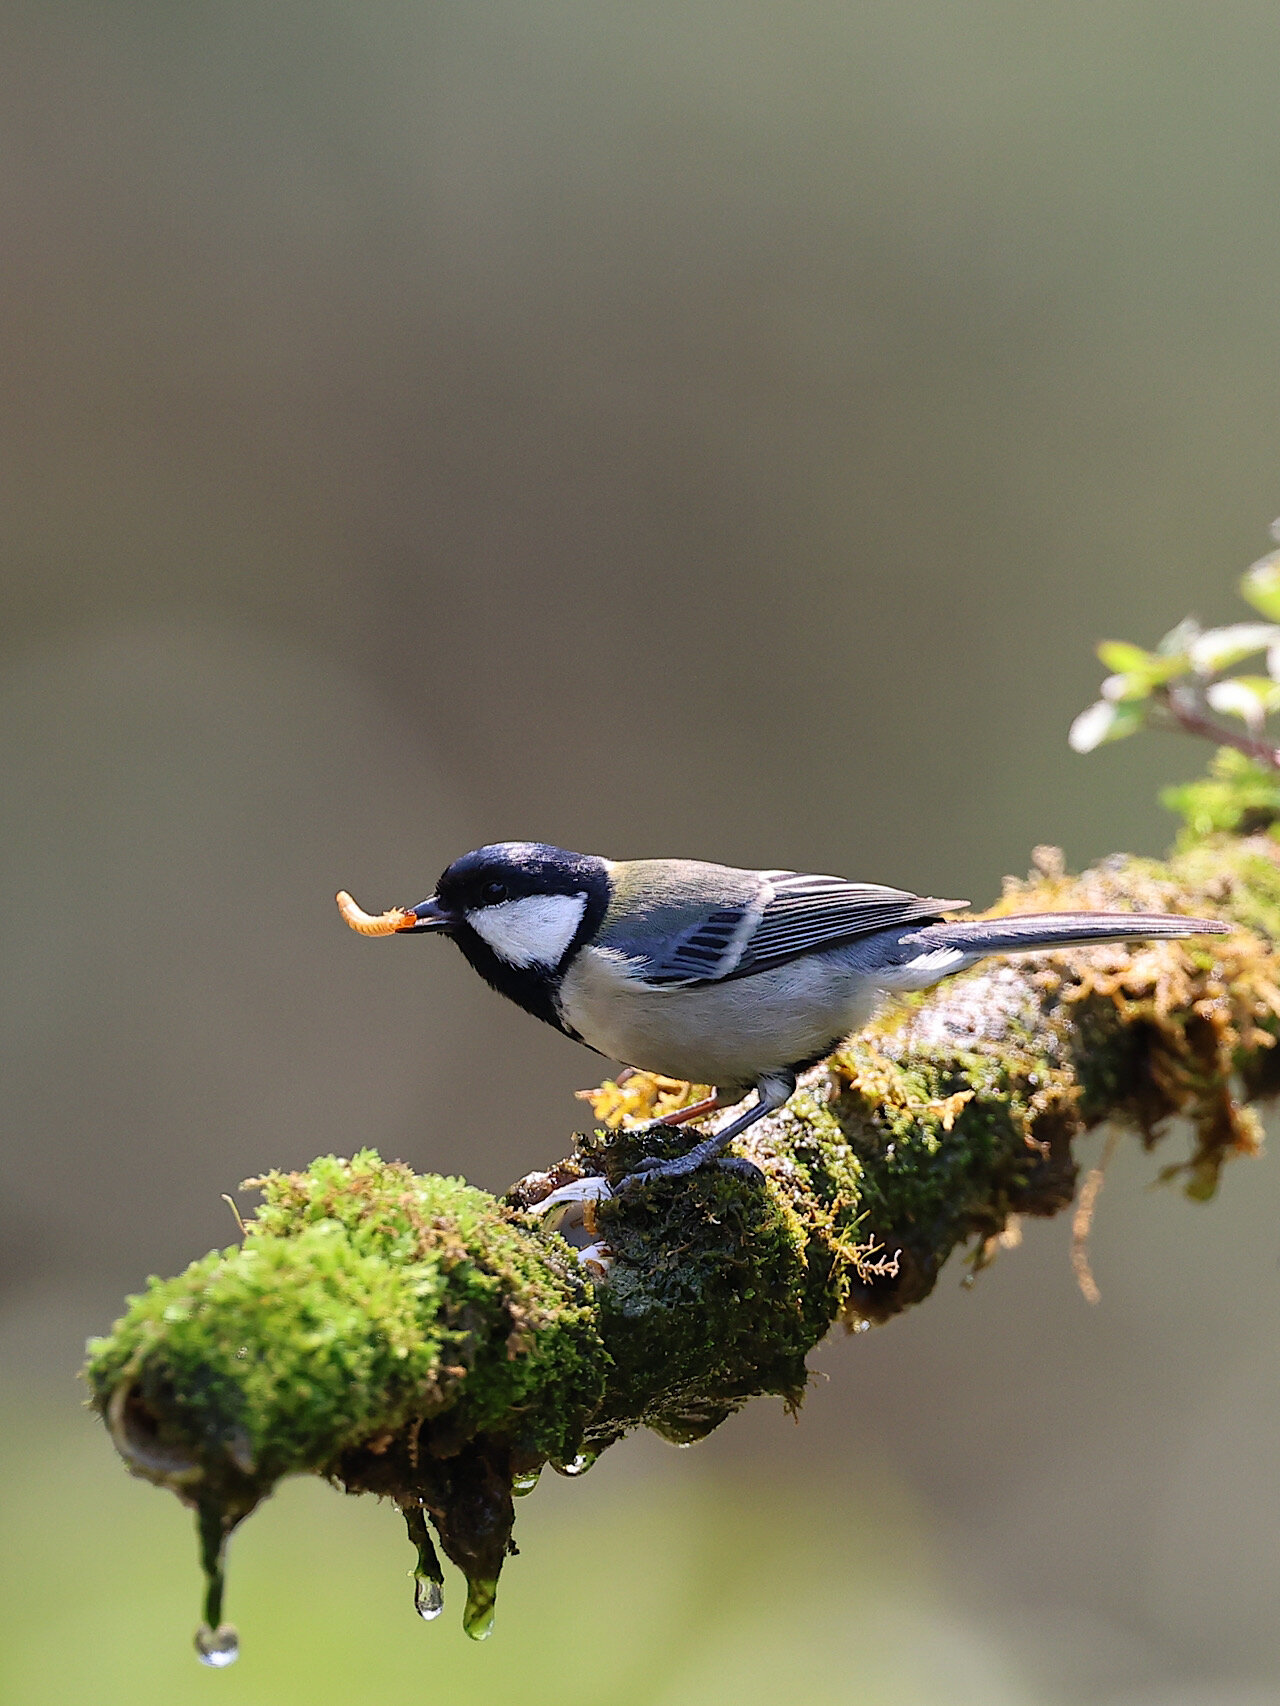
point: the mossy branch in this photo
(414, 1337)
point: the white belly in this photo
(726, 1034)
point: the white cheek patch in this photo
(535, 931)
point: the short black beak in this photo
(430, 916)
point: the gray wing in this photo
(800, 914)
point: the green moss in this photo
(1240, 879)
(828, 1211)
(362, 1298)
(1237, 797)
(709, 1289)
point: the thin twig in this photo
(1187, 711)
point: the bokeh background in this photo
(716, 429)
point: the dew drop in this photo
(428, 1597)
(523, 1485)
(578, 1465)
(428, 1577)
(218, 1647)
(477, 1619)
(217, 1643)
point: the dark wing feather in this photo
(804, 913)
(808, 913)
(698, 955)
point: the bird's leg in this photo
(695, 1110)
(771, 1093)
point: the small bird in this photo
(734, 978)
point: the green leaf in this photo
(1166, 666)
(1267, 689)
(1237, 699)
(1219, 648)
(1104, 721)
(1261, 585)
(1141, 670)
(1125, 689)
(1124, 659)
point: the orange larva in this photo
(370, 924)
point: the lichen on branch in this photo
(417, 1338)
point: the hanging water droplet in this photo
(218, 1647)
(477, 1619)
(217, 1642)
(428, 1577)
(578, 1465)
(428, 1597)
(523, 1485)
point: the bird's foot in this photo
(653, 1168)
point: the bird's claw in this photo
(650, 1168)
(653, 1168)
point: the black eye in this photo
(492, 892)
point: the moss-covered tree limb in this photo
(415, 1337)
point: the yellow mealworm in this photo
(366, 924)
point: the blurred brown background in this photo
(709, 429)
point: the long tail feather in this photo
(1026, 932)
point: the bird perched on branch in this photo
(735, 978)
